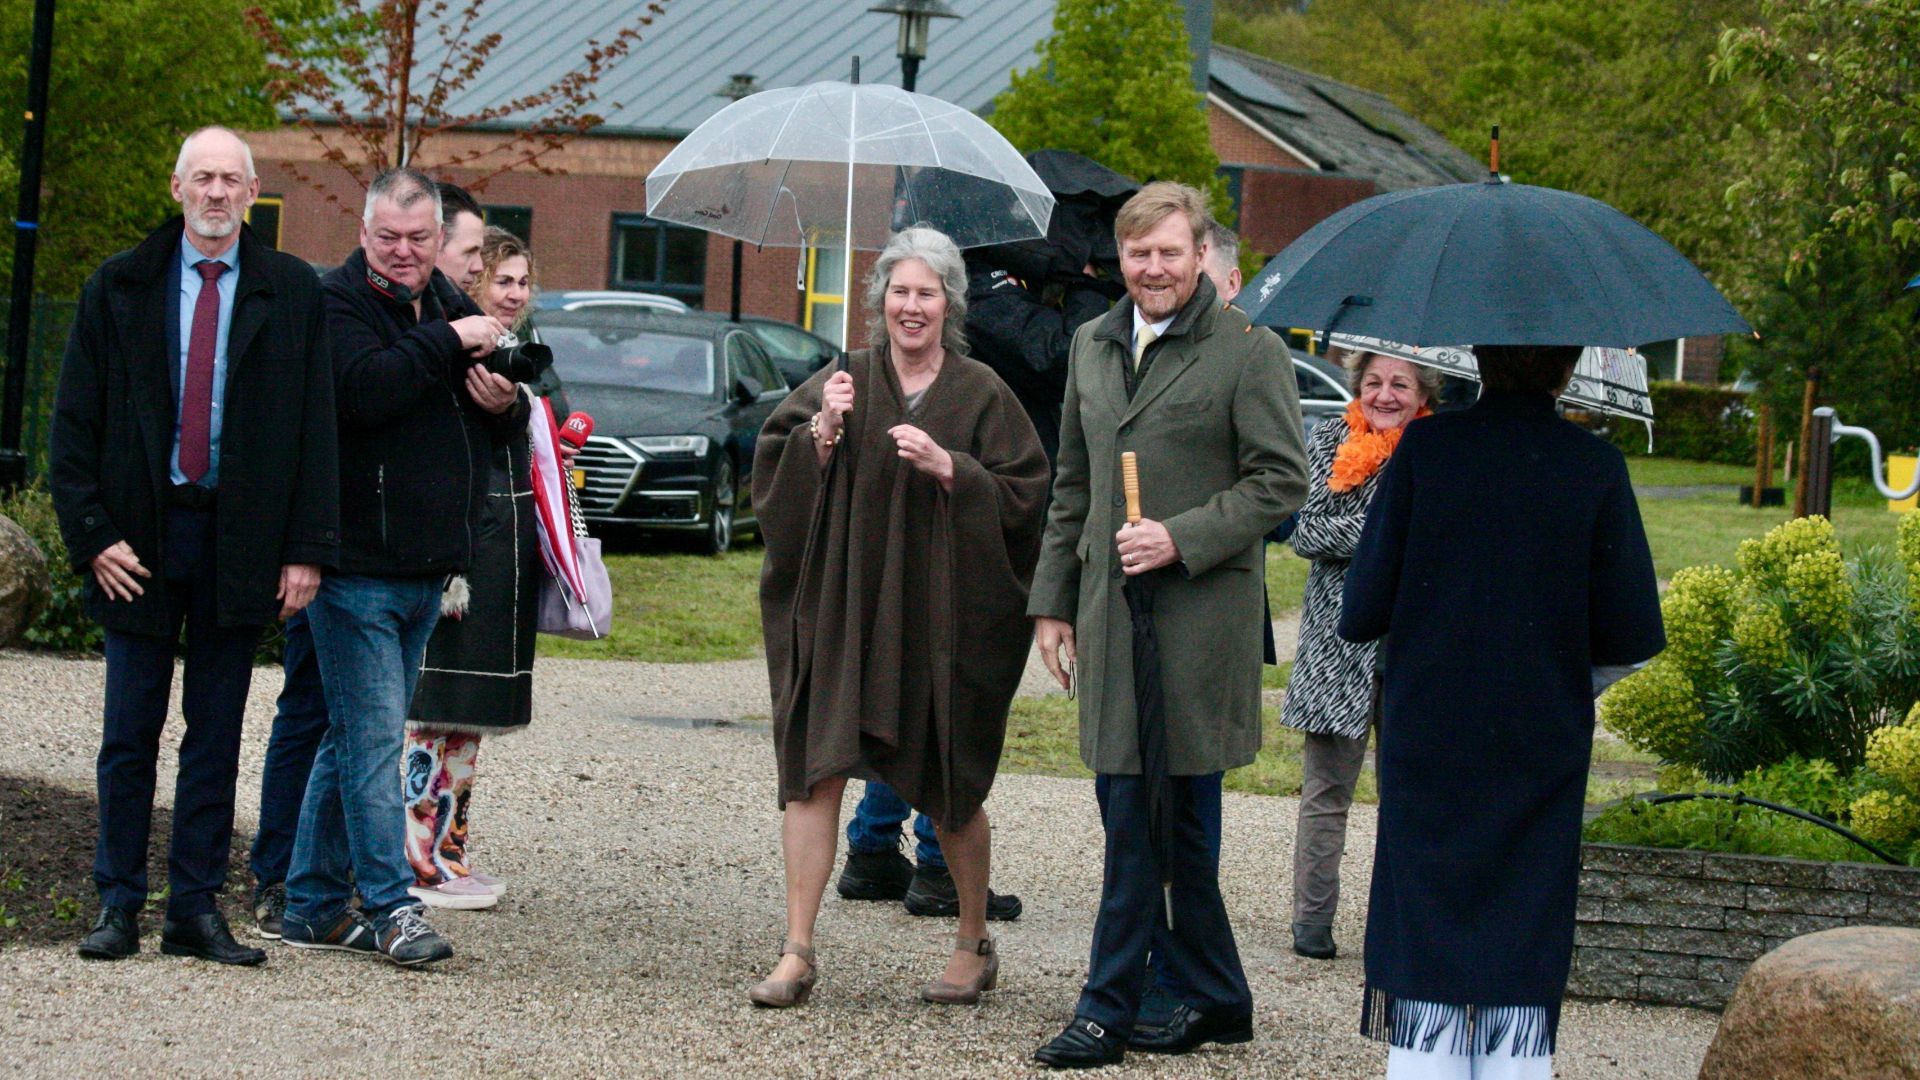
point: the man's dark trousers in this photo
(1199, 950)
(219, 667)
(298, 726)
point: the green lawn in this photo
(676, 608)
(687, 608)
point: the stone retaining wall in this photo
(1678, 927)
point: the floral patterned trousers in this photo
(437, 777)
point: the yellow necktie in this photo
(1141, 340)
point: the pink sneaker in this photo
(459, 894)
(494, 885)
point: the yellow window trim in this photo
(813, 296)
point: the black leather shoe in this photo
(875, 875)
(207, 937)
(1083, 1045)
(1190, 1028)
(115, 936)
(1314, 941)
(933, 894)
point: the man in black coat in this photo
(300, 718)
(419, 415)
(193, 469)
(1023, 339)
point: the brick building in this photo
(1294, 147)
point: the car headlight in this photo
(672, 447)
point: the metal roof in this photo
(1343, 128)
(669, 84)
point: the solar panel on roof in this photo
(1240, 79)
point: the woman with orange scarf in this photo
(1329, 697)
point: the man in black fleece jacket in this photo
(418, 417)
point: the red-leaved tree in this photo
(371, 84)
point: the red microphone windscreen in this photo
(575, 431)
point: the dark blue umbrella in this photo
(1488, 263)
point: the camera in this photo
(516, 360)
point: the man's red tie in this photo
(196, 395)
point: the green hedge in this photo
(1699, 423)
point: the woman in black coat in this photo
(1502, 560)
(477, 678)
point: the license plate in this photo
(579, 479)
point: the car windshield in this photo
(786, 342)
(615, 352)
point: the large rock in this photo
(24, 585)
(1839, 1003)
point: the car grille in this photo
(611, 467)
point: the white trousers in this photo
(1440, 1065)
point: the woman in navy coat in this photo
(1502, 560)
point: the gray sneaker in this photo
(348, 931)
(404, 937)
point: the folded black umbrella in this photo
(1149, 701)
(1150, 718)
(1488, 263)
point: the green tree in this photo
(1827, 203)
(129, 79)
(1115, 82)
(1612, 101)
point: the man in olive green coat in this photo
(1208, 405)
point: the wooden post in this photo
(1763, 455)
(1806, 443)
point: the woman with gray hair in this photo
(900, 500)
(1330, 695)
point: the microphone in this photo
(575, 431)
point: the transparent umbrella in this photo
(845, 165)
(1605, 380)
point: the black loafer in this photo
(932, 894)
(115, 936)
(1190, 1028)
(1083, 1045)
(207, 937)
(875, 875)
(1314, 941)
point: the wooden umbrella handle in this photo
(1130, 483)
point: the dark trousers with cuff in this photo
(1199, 952)
(219, 668)
(299, 723)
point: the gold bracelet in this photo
(813, 425)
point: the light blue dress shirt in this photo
(190, 285)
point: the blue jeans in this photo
(298, 727)
(369, 634)
(876, 826)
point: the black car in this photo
(677, 401)
(797, 353)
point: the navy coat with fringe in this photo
(1502, 558)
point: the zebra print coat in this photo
(1331, 690)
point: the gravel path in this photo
(646, 897)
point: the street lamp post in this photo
(739, 87)
(26, 236)
(916, 17)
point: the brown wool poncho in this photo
(895, 612)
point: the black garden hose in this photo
(1747, 800)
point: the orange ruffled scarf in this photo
(1364, 449)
